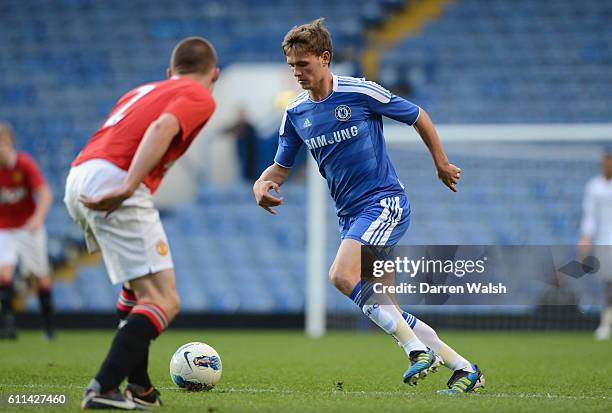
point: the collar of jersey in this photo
(334, 88)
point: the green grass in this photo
(285, 372)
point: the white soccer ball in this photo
(195, 366)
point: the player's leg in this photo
(8, 260)
(125, 302)
(139, 385)
(7, 293)
(158, 303)
(45, 300)
(380, 225)
(466, 376)
(604, 330)
(430, 338)
(132, 242)
(345, 274)
(32, 251)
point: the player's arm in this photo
(41, 193)
(383, 102)
(271, 179)
(152, 148)
(44, 197)
(588, 223)
(448, 173)
(276, 174)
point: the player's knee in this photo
(342, 280)
(6, 275)
(44, 283)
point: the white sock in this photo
(451, 358)
(391, 321)
(414, 344)
(381, 309)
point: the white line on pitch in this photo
(352, 393)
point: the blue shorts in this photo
(382, 224)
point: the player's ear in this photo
(215, 76)
(325, 58)
(168, 73)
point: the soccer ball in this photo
(195, 366)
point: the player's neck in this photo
(324, 88)
(6, 163)
(204, 80)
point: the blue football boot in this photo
(464, 382)
(421, 364)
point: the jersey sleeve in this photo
(288, 144)
(192, 111)
(382, 102)
(35, 177)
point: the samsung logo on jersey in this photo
(337, 137)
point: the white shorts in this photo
(28, 248)
(132, 240)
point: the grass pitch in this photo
(344, 371)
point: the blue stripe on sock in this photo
(355, 291)
(410, 319)
(366, 293)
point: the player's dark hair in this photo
(193, 55)
(311, 37)
(6, 129)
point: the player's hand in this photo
(109, 201)
(264, 198)
(34, 223)
(449, 174)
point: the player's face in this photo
(6, 148)
(308, 69)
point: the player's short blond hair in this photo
(311, 37)
(193, 55)
(6, 129)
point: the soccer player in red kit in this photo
(24, 202)
(109, 194)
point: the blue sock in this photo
(361, 293)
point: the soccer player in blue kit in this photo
(339, 119)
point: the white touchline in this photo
(336, 392)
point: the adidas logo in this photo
(307, 123)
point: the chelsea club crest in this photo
(343, 113)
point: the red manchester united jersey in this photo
(17, 184)
(120, 134)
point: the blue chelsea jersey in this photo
(344, 133)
